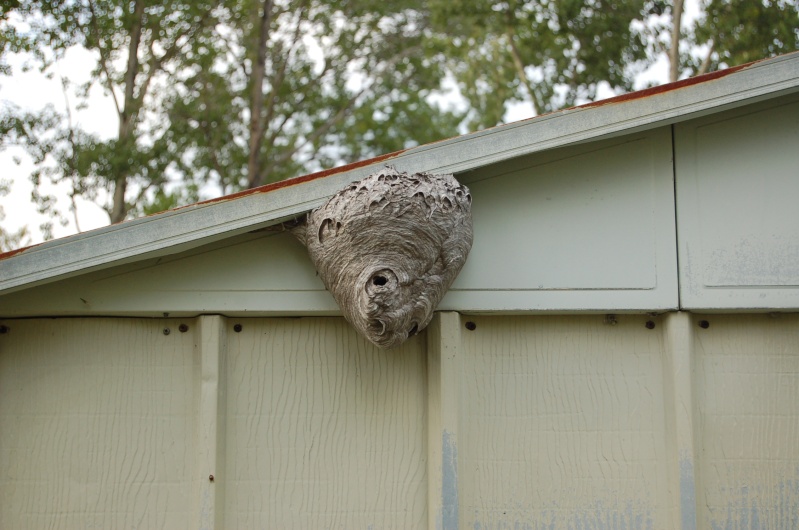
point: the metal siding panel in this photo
(737, 196)
(748, 409)
(510, 422)
(587, 227)
(262, 273)
(557, 226)
(323, 429)
(96, 424)
(563, 424)
(445, 386)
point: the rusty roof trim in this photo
(11, 253)
(668, 87)
(267, 188)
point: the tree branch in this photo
(280, 76)
(705, 66)
(296, 106)
(104, 59)
(340, 114)
(119, 208)
(286, 117)
(315, 134)
(155, 63)
(510, 34)
(73, 163)
(132, 68)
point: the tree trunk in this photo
(257, 126)
(510, 35)
(674, 49)
(127, 116)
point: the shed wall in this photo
(97, 424)
(323, 430)
(507, 422)
(564, 425)
(747, 383)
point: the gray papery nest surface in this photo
(388, 247)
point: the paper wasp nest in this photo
(388, 248)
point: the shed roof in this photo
(208, 221)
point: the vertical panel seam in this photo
(444, 349)
(676, 221)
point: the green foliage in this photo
(550, 53)
(341, 80)
(136, 46)
(741, 32)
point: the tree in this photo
(735, 33)
(230, 92)
(548, 53)
(726, 33)
(136, 46)
(304, 86)
(556, 53)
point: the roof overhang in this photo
(209, 221)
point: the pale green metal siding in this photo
(674, 421)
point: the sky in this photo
(33, 90)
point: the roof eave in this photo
(202, 223)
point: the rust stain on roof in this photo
(10, 253)
(261, 189)
(298, 180)
(660, 89)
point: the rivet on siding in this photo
(166, 331)
(211, 478)
(4, 329)
(237, 328)
(183, 328)
(704, 324)
(649, 324)
(471, 326)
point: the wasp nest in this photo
(388, 248)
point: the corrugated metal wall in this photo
(671, 421)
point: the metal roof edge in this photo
(208, 221)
